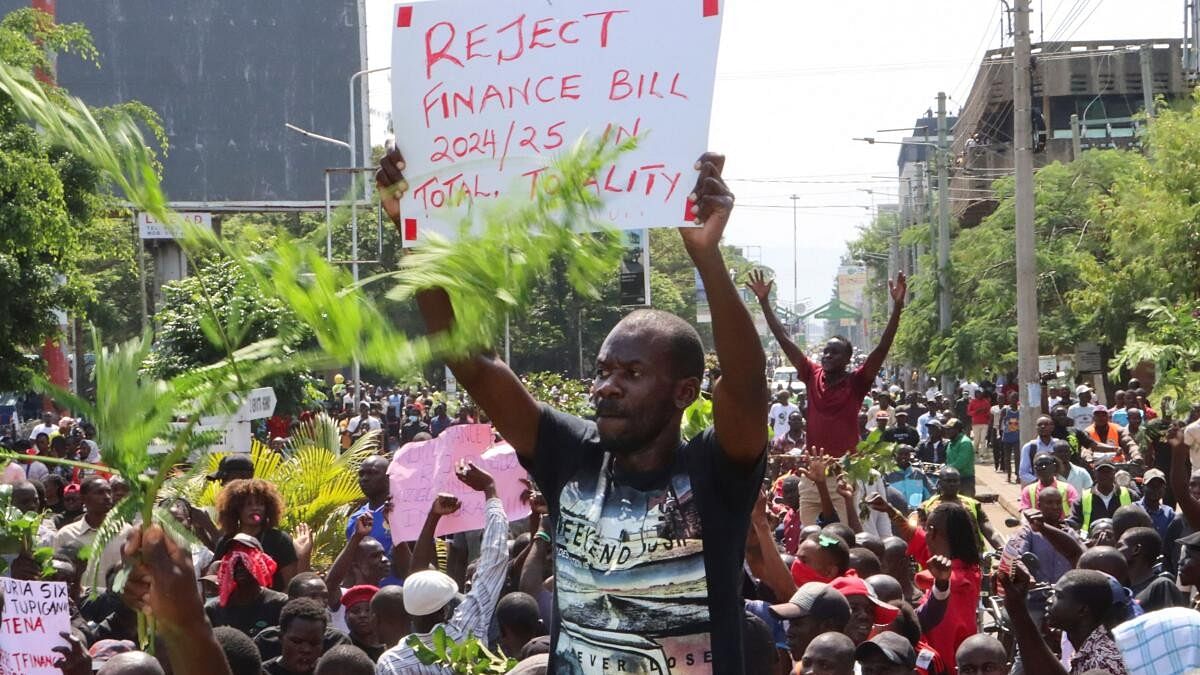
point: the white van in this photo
(782, 376)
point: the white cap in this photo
(1082, 388)
(428, 591)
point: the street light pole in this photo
(943, 233)
(1027, 319)
(795, 255)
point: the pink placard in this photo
(419, 471)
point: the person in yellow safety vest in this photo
(1102, 501)
(1110, 440)
(948, 483)
(1046, 468)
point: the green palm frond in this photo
(124, 513)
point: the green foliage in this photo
(469, 657)
(18, 534)
(563, 393)
(1171, 341)
(870, 453)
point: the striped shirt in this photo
(474, 615)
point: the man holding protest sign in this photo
(646, 577)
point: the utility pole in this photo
(1075, 148)
(795, 256)
(1146, 58)
(943, 238)
(1027, 318)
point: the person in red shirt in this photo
(835, 394)
(980, 411)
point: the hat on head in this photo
(933, 423)
(1103, 463)
(1100, 409)
(894, 647)
(882, 415)
(1082, 388)
(852, 584)
(1191, 541)
(104, 650)
(230, 464)
(814, 599)
(901, 412)
(71, 489)
(428, 591)
(356, 594)
(1152, 474)
(247, 540)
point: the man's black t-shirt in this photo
(903, 435)
(270, 641)
(647, 566)
(250, 619)
(275, 667)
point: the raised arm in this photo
(345, 558)
(761, 288)
(898, 290)
(768, 564)
(1188, 506)
(489, 381)
(425, 552)
(740, 395)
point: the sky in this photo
(797, 80)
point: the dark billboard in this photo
(225, 77)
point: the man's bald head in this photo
(886, 588)
(829, 653)
(979, 651)
(25, 496)
(132, 663)
(1106, 559)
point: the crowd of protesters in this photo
(749, 547)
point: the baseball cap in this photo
(1152, 474)
(1082, 388)
(1100, 409)
(882, 415)
(894, 647)
(428, 591)
(231, 464)
(1105, 462)
(812, 599)
(854, 585)
(104, 650)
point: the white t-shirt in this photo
(373, 424)
(970, 388)
(1191, 436)
(1081, 415)
(779, 417)
(48, 429)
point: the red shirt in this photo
(980, 410)
(959, 622)
(833, 409)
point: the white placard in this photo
(35, 612)
(150, 228)
(258, 404)
(485, 94)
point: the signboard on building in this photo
(1088, 358)
(485, 94)
(851, 286)
(150, 228)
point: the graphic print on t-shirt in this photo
(630, 577)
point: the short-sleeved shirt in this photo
(380, 529)
(779, 417)
(645, 577)
(833, 408)
(1010, 426)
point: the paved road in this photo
(987, 480)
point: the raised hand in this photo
(534, 498)
(712, 204)
(389, 178)
(845, 489)
(303, 541)
(898, 289)
(759, 285)
(476, 478)
(818, 468)
(1035, 518)
(75, 659)
(162, 582)
(1015, 581)
(939, 567)
(877, 503)
(363, 526)
(444, 504)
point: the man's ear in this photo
(687, 391)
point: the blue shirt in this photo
(912, 483)
(1162, 517)
(379, 530)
